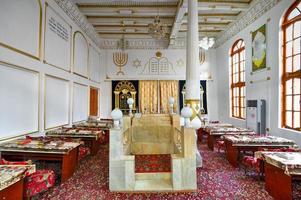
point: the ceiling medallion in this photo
(206, 43)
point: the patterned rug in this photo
(152, 163)
(216, 180)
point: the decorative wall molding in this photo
(145, 44)
(74, 13)
(259, 8)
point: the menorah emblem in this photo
(120, 59)
(202, 57)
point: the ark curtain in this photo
(148, 96)
(168, 89)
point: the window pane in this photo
(297, 29)
(289, 48)
(289, 119)
(236, 67)
(242, 102)
(242, 66)
(296, 103)
(242, 111)
(296, 63)
(242, 91)
(289, 87)
(289, 64)
(235, 58)
(289, 102)
(296, 119)
(297, 86)
(297, 46)
(293, 14)
(242, 78)
(242, 55)
(289, 33)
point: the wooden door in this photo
(93, 102)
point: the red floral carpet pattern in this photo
(217, 180)
(152, 163)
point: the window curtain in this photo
(168, 89)
(148, 96)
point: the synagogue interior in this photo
(150, 99)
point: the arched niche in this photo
(80, 54)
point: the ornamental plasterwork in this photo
(73, 12)
(137, 63)
(256, 10)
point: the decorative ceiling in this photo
(114, 19)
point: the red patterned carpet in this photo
(217, 180)
(152, 163)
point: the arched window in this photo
(237, 78)
(291, 74)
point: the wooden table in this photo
(217, 133)
(241, 143)
(91, 138)
(281, 168)
(12, 188)
(67, 157)
(205, 130)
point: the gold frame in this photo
(88, 98)
(18, 67)
(45, 61)
(55, 77)
(17, 50)
(73, 51)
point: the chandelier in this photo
(206, 43)
(157, 29)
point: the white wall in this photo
(12, 57)
(177, 71)
(268, 90)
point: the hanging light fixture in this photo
(206, 43)
(157, 29)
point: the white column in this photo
(192, 54)
(192, 95)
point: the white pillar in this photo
(192, 96)
(192, 60)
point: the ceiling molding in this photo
(259, 8)
(74, 13)
(145, 44)
(119, 4)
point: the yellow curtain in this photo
(148, 96)
(168, 89)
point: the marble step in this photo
(153, 176)
(153, 185)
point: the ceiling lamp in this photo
(158, 30)
(206, 43)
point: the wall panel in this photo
(80, 102)
(57, 40)
(80, 54)
(56, 102)
(94, 64)
(19, 101)
(20, 22)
